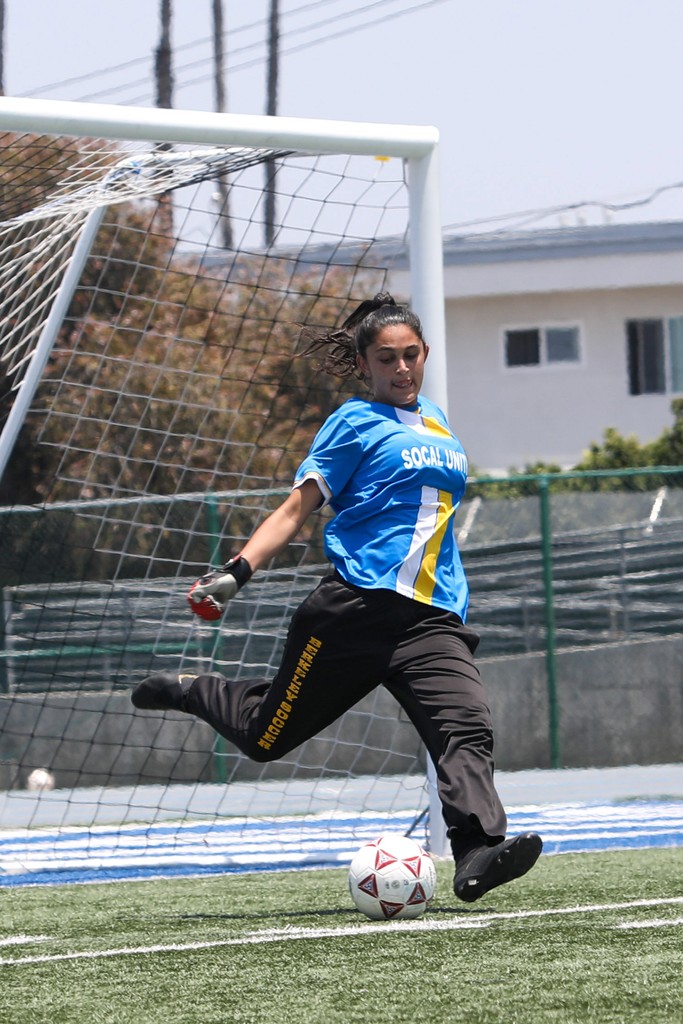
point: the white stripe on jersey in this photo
(425, 526)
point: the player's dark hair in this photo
(341, 345)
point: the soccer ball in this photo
(40, 779)
(391, 878)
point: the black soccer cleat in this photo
(486, 867)
(166, 691)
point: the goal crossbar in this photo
(195, 126)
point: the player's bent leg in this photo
(330, 661)
(480, 868)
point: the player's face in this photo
(395, 363)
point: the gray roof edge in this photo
(564, 243)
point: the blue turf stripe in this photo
(237, 845)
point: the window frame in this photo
(667, 345)
(544, 364)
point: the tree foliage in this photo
(170, 374)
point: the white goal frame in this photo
(416, 145)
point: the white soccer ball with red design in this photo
(392, 878)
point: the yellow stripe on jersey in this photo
(426, 577)
(434, 427)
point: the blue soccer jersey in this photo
(394, 478)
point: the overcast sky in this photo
(539, 103)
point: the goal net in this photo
(154, 404)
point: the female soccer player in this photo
(392, 611)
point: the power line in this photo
(523, 218)
(287, 51)
(259, 44)
(137, 61)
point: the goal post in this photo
(417, 145)
(153, 407)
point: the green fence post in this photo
(551, 674)
(213, 528)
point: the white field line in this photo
(289, 934)
(23, 940)
(662, 922)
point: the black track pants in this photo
(343, 641)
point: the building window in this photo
(562, 344)
(654, 350)
(523, 348)
(539, 346)
(676, 352)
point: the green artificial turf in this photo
(560, 945)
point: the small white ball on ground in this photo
(40, 779)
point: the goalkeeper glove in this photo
(210, 594)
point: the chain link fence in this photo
(558, 564)
(586, 562)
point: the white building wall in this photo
(509, 418)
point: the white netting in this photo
(170, 416)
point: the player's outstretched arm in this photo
(282, 525)
(209, 595)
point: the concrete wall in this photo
(619, 704)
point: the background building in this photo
(555, 335)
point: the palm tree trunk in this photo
(162, 58)
(2, 47)
(271, 108)
(224, 222)
(164, 98)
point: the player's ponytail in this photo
(341, 345)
